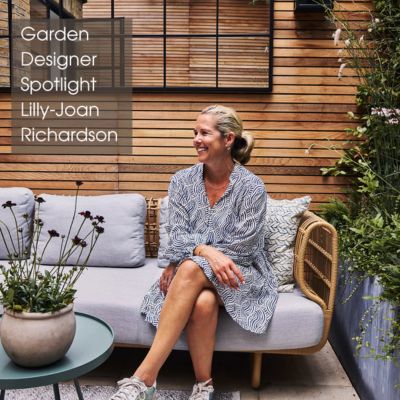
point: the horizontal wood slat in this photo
(299, 127)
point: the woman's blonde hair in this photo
(227, 121)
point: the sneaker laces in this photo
(200, 389)
(128, 388)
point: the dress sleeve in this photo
(247, 237)
(182, 241)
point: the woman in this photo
(216, 229)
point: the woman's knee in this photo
(205, 306)
(190, 271)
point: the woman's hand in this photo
(166, 278)
(224, 268)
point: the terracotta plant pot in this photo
(37, 339)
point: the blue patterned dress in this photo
(235, 226)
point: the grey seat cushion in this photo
(115, 295)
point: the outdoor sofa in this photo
(112, 291)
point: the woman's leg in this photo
(185, 288)
(200, 333)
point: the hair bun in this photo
(242, 147)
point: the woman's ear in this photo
(229, 139)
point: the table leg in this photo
(78, 389)
(2, 394)
(56, 391)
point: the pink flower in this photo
(340, 73)
(336, 36)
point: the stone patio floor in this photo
(313, 377)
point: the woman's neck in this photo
(219, 172)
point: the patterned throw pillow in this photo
(283, 218)
(163, 262)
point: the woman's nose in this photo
(196, 140)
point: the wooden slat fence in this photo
(299, 127)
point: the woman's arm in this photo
(182, 241)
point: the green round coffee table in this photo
(92, 345)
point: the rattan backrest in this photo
(152, 227)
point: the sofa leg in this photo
(256, 374)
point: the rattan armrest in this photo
(315, 270)
(315, 260)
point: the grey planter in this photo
(373, 379)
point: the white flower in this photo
(340, 60)
(339, 52)
(361, 38)
(336, 36)
(347, 42)
(340, 73)
(369, 30)
(377, 20)
(392, 115)
(307, 151)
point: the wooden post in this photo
(256, 373)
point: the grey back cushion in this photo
(121, 244)
(282, 221)
(25, 204)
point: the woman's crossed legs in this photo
(192, 301)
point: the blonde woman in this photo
(216, 229)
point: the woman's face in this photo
(208, 141)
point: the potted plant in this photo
(38, 324)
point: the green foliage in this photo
(369, 224)
(26, 285)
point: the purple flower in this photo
(53, 233)
(76, 241)
(8, 204)
(86, 214)
(99, 229)
(83, 243)
(39, 200)
(99, 218)
(78, 183)
(38, 221)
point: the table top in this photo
(92, 345)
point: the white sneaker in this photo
(202, 391)
(134, 389)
